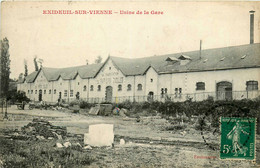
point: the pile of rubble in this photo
(42, 129)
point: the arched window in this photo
(251, 85)
(99, 87)
(139, 87)
(91, 88)
(129, 87)
(200, 86)
(84, 88)
(54, 92)
(119, 87)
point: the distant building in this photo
(223, 73)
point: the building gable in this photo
(109, 73)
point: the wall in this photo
(110, 75)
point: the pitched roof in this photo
(210, 60)
(84, 71)
(31, 77)
(243, 56)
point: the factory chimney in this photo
(200, 47)
(251, 26)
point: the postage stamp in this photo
(237, 138)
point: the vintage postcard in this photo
(130, 84)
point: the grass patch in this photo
(18, 153)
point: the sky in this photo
(70, 40)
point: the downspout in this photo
(52, 91)
(68, 92)
(134, 89)
(88, 89)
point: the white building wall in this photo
(110, 75)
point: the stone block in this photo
(100, 135)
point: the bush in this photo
(86, 105)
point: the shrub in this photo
(85, 105)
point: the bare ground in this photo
(147, 142)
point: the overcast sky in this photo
(68, 40)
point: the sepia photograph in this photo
(129, 84)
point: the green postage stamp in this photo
(237, 138)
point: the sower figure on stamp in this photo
(234, 134)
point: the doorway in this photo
(40, 95)
(109, 94)
(59, 99)
(224, 90)
(150, 96)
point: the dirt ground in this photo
(148, 144)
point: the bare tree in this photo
(98, 59)
(25, 68)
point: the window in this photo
(31, 91)
(178, 92)
(109, 68)
(151, 80)
(84, 88)
(71, 93)
(119, 87)
(91, 88)
(251, 85)
(35, 91)
(162, 92)
(99, 88)
(54, 92)
(28, 91)
(65, 93)
(44, 91)
(200, 86)
(139, 87)
(78, 83)
(50, 91)
(129, 87)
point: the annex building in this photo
(222, 73)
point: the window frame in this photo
(99, 88)
(71, 93)
(119, 87)
(65, 93)
(253, 85)
(139, 87)
(200, 86)
(129, 87)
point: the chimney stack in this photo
(200, 47)
(251, 26)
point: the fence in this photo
(226, 95)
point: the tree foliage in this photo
(35, 63)
(98, 59)
(25, 68)
(5, 67)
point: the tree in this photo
(35, 63)
(98, 60)
(25, 68)
(5, 67)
